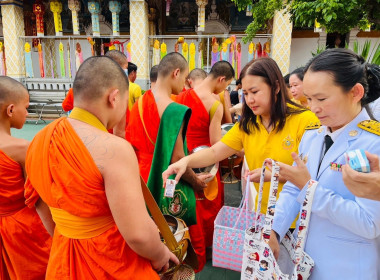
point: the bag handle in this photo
(243, 204)
(158, 218)
(305, 219)
(269, 215)
(305, 210)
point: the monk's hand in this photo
(178, 168)
(204, 177)
(274, 245)
(365, 185)
(296, 174)
(162, 264)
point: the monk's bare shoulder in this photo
(106, 149)
(14, 147)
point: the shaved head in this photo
(11, 91)
(170, 62)
(222, 68)
(118, 57)
(96, 75)
(197, 73)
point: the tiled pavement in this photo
(232, 198)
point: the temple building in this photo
(50, 39)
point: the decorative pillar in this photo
(282, 39)
(39, 10)
(74, 6)
(168, 2)
(201, 14)
(139, 38)
(56, 9)
(13, 29)
(115, 8)
(94, 9)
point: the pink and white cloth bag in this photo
(259, 262)
(229, 232)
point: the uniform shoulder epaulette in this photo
(314, 125)
(371, 126)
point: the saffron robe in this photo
(68, 102)
(144, 146)
(141, 142)
(62, 172)
(24, 242)
(198, 135)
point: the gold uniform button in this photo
(353, 133)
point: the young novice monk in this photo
(89, 179)
(204, 129)
(24, 242)
(155, 150)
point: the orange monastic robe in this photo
(136, 134)
(62, 172)
(24, 242)
(68, 102)
(144, 148)
(198, 135)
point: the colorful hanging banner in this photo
(164, 50)
(74, 6)
(41, 60)
(266, 50)
(92, 43)
(28, 61)
(185, 51)
(156, 53)
(259, 50)
(214, 51)
(192, 51)
(129, 51)
(78, 56)
(94, 9)
(39, 10)
(51, 63)
(56, 8)
(238, 60)
(251, 51)
(69, 61)
(115, 8)
(224, 52)
(200, 56)
(62, 60)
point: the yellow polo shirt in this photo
(278, 145)
(134, 94)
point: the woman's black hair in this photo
(268, 69)
(299, 72)
(348, 69)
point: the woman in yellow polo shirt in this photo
(271, 126)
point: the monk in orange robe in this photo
(89, 179)
(204, 129)
(172, 73)
(24, 242)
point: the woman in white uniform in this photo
(343, 237)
